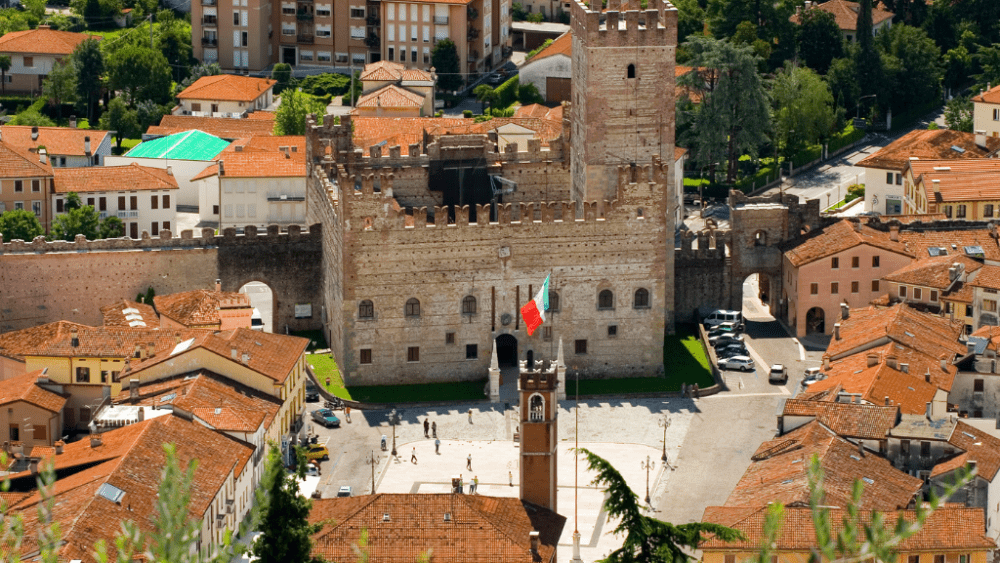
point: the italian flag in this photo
(534, 310)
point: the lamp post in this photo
(373, 461)
(665, 423)
(647, 465)
(393, 418)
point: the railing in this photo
(285, 197)
(472, 13)
(104, 215)
(209, 2)
(127, 214)
(209, 20)
(305, 38)
(473, 34)
(441, 20)
(304, 16)
(372, 19)
(209, 42)
(372, 41)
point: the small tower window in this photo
(412, 308)
(366, 310)
(631, 71)
(469, 305)
(537, 409)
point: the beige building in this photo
(392, 90)
(986, 112)
(961, 189)
(25, 181)
(205, 309)
(31, 411)
(33, 53)
(67, 147)
(225, 95)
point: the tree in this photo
(60, 85)
(20, 224)
(148, 113)
(4, 67)
(140, 72)
(746, 34)
(444, 57)
(484, 93)
(868, 62)
(198, 71)
(89, 63)
(77, 220)
(803, 106)
(733, 118)
(957, 67)
(173, 39)
(690, 18)
(122, 120)
(282, 72)
(32, 117)
(819, 39)
(112, 227)
(96, 11)
(988, 59)
(35, 7)
(647, 540)
(919, 81)
(958, 114)
(290, 119)
(842, 76)
(284, 525)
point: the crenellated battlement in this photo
(620, 26)
(166, 241)
(711, 245)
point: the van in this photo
(723, 316)
(256, 321)
(778, 374)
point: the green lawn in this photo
(317, 341)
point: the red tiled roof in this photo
(131, 177)
(222, 127)
(841, 236)
(402, 131)
(563, 45)
(269, 143)
(19, 163)
(951, 241)
(930, 334)
(26, 342)
(259, 164)
(991, 96)
(62, 141)
(480, 528)
(988, 277)
(200, 307)
(980, 447)
(846, 13)
(25, 388)
(970, 179)
(55, 339)
(42, 41)
(390, 71)
(546, 129)
(932, 271)
(227, 87)
(852, 420)
(391, 96)
(115, 315)
(928, 145)
(540, 111)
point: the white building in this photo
(225, 95)
(986, 112)
(551, 69)
(67, 147)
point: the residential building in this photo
(401, 527)
(845, 13)
(33, 53)
(985, 288)
(950, 535)
(976, 391)
(257, 124)
(225, 95)
(961, 189)
(257, 181)
(854, 421)
(143, 197)
(943, 239)
(31, 411)
(392, 90)
(65, 146)
(936, 284)
(840, 264)
(127, 313)
(986, 112)
(204, 309)
(887, 167)
(186, 154)
(25, 181)
(862, 330)
(551, 69)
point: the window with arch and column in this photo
(553, 301)
(412, 308)
(641, 300)
(469, 305)
(536, 408)
(366, 309)
(606, 299)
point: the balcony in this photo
(209, 2)
(305, 38)
(440, 20)
(210, 20)
(472, 13)
(373, 19)
(284, 197)
(209, 42)
(128, 214)
(372, 41)
(473, 34)
(304, 16)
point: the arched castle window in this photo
(631, 71)
(536, 412)
(641, 298)
(412, 307)
(606, 299)
(760, 238)
(469, 305)
(553, 301)
(366, 310)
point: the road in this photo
(262, 299)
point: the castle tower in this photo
(623, 92)
(539, 436)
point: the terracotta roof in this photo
(222, 127)
(545, 129)
(391, 96)
(26, 342)
(60, 141)
(948, 465)
(131, 177)
(402, 131)
(779, 470)
(390, 71)
(932, 271)
(970, 179)
(991, 333)
(852, 420)
(43, 41)
(55, 339)
(948, 528)
(930, 334)
(85, 516)
(269, 143)
(981, 447)
(123, 314)
(19, 163)
(846, 13)
(480, 528)
(259, 164)
(261, 115)
(540, 111)
(200, 307)
(929, 145)
(679, 152)
(25, 388)
(227, 87)
(988, 277)
(838, 237)
(562, 45)
(991, 96)
(906, 219)
(952, 242)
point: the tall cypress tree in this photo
(869, 63)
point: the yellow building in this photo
(31, 411)
(961, 189)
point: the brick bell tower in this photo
(539, 433)
(622, 92)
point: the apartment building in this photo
(25, 179)
(67, 147)
(961, 189)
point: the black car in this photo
(730, 351)
(312, 394)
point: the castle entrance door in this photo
(507, 350)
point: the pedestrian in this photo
(461, 484)
(470, 416)
(437, 446)
(468, 462)
(510, 477)
(475, 485)
(695, 390)
(427, 426)
(413, 456)
(347, 413)
(434, 428)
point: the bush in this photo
(467, 113)
(326, 86)
(506, 93)
(846, 137)
(854, 191)
(528, 94)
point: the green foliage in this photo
(536, 17)
(958, 114)
(65, 22)
(467, 113)
(746, 34)
(868, 61)
(121, 119)
(647, 540)
(507, 93)
(290, 119)
(855, 191)
(60, 85)
(326, 85)
(282, 72)
(820, 40)
(537, 49)
(957, 64)
(842, 76)
(96, 11)
(32, 117)
(148, 113)
(150, 294)
(112, 227)
(518, 12)
(284, 526)
(803, 106)
(20, 224)
(35, 8)
(485, 94)
(173, 40)
(140, 73)
(988, 59)
(89, 63)
(932, 126)
(913, 67)
(78, 221)
(444, 58)
(13, 20)
(528, 94)
(5, 63)
(690, 18)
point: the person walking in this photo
(461, 484)
(468, 462)
(510, 477)
(434, 428)
(427, 426)
(475, 485)
(470, 416)
(437, 446)
(413, 456)
(347, 413)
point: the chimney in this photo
(74, 337)
(142, 414)
(826, 361)
(872, 359)
(927, 408)
(857, 226)
(836, 331)
(95, 440)
(139, 353)
(33, 466)
(222, 170)
(133, 389)
(235, 353)
(86, 144)
(72, 122)
(887, 401)
(894, 232)
(34, 132)
(245, 358)
(170, 170)
(218, 285)
(845, 311)
(861, 448)
(927, 376)
(43, 156)
(892, 361)
(981, 139)
(944, 362)
(533, 537)
(59, 446)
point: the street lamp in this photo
(665, 423)
(373, 461)
(647, 465)
(393, 420)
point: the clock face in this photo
(505, 319)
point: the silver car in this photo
(741, 363)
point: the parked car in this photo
(730, 326)
(317, 451)
(741, 363)
(494, 79)
(812, 376)
(725, 339)
(345, 491)
(326, 418)
(732, 350)
(778, 374)
(312, 470)
(723, 316)
(312, 393)
(256, 320)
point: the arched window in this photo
(631, 71)
(469, 305)
(366, 310)
(412, 307)
(553, 301)
(641, 298)
(760, 238)
(606, 299)
(537, 408)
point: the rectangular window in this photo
(154, 228)
(322, 12)
(960, 212)
(357, 13)
(888, 177)
(875, 262)
(392, 53)
(365, 356)
(855, 261)
(40, 432)
(612, 331)
(925, 449)
(547, 333)
(29, 62)
(133, 202)
(988, 210)
(104, 376)
(18, 205)
(947, 211)
(471, 351)
(874, 285)
(978, 385)
(904, 448)
(323, 56)
(154, 202)
(229, 210)
(252, 210)
(580, 346)
(855, 287)
(166, 202)
(90, 201)
(899, 179)
(835, 262)
(427, 34)
(413, 354)
(729, 558)
(814, 289)
(918, 293)
(996, 117)
(990, 305)
(14, 432)
(413, 53)
(166, 225)
(103, 204)
(934, 296)
(244, 39)
(18, 186)
(36, 208)
(968, 310)
(83, 375)
(834, 288)
(236, 16)
(121, 203)
(427, 56)
(902, 291)
(449, 338)
(59, 205)
(36, 186)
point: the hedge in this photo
(506, 93)
(847, 136)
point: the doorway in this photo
(815, 321)
(288, 55)
(507, 350)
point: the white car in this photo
(741, 363)
(812, 376)
(778, 374)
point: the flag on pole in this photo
(534, 310)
